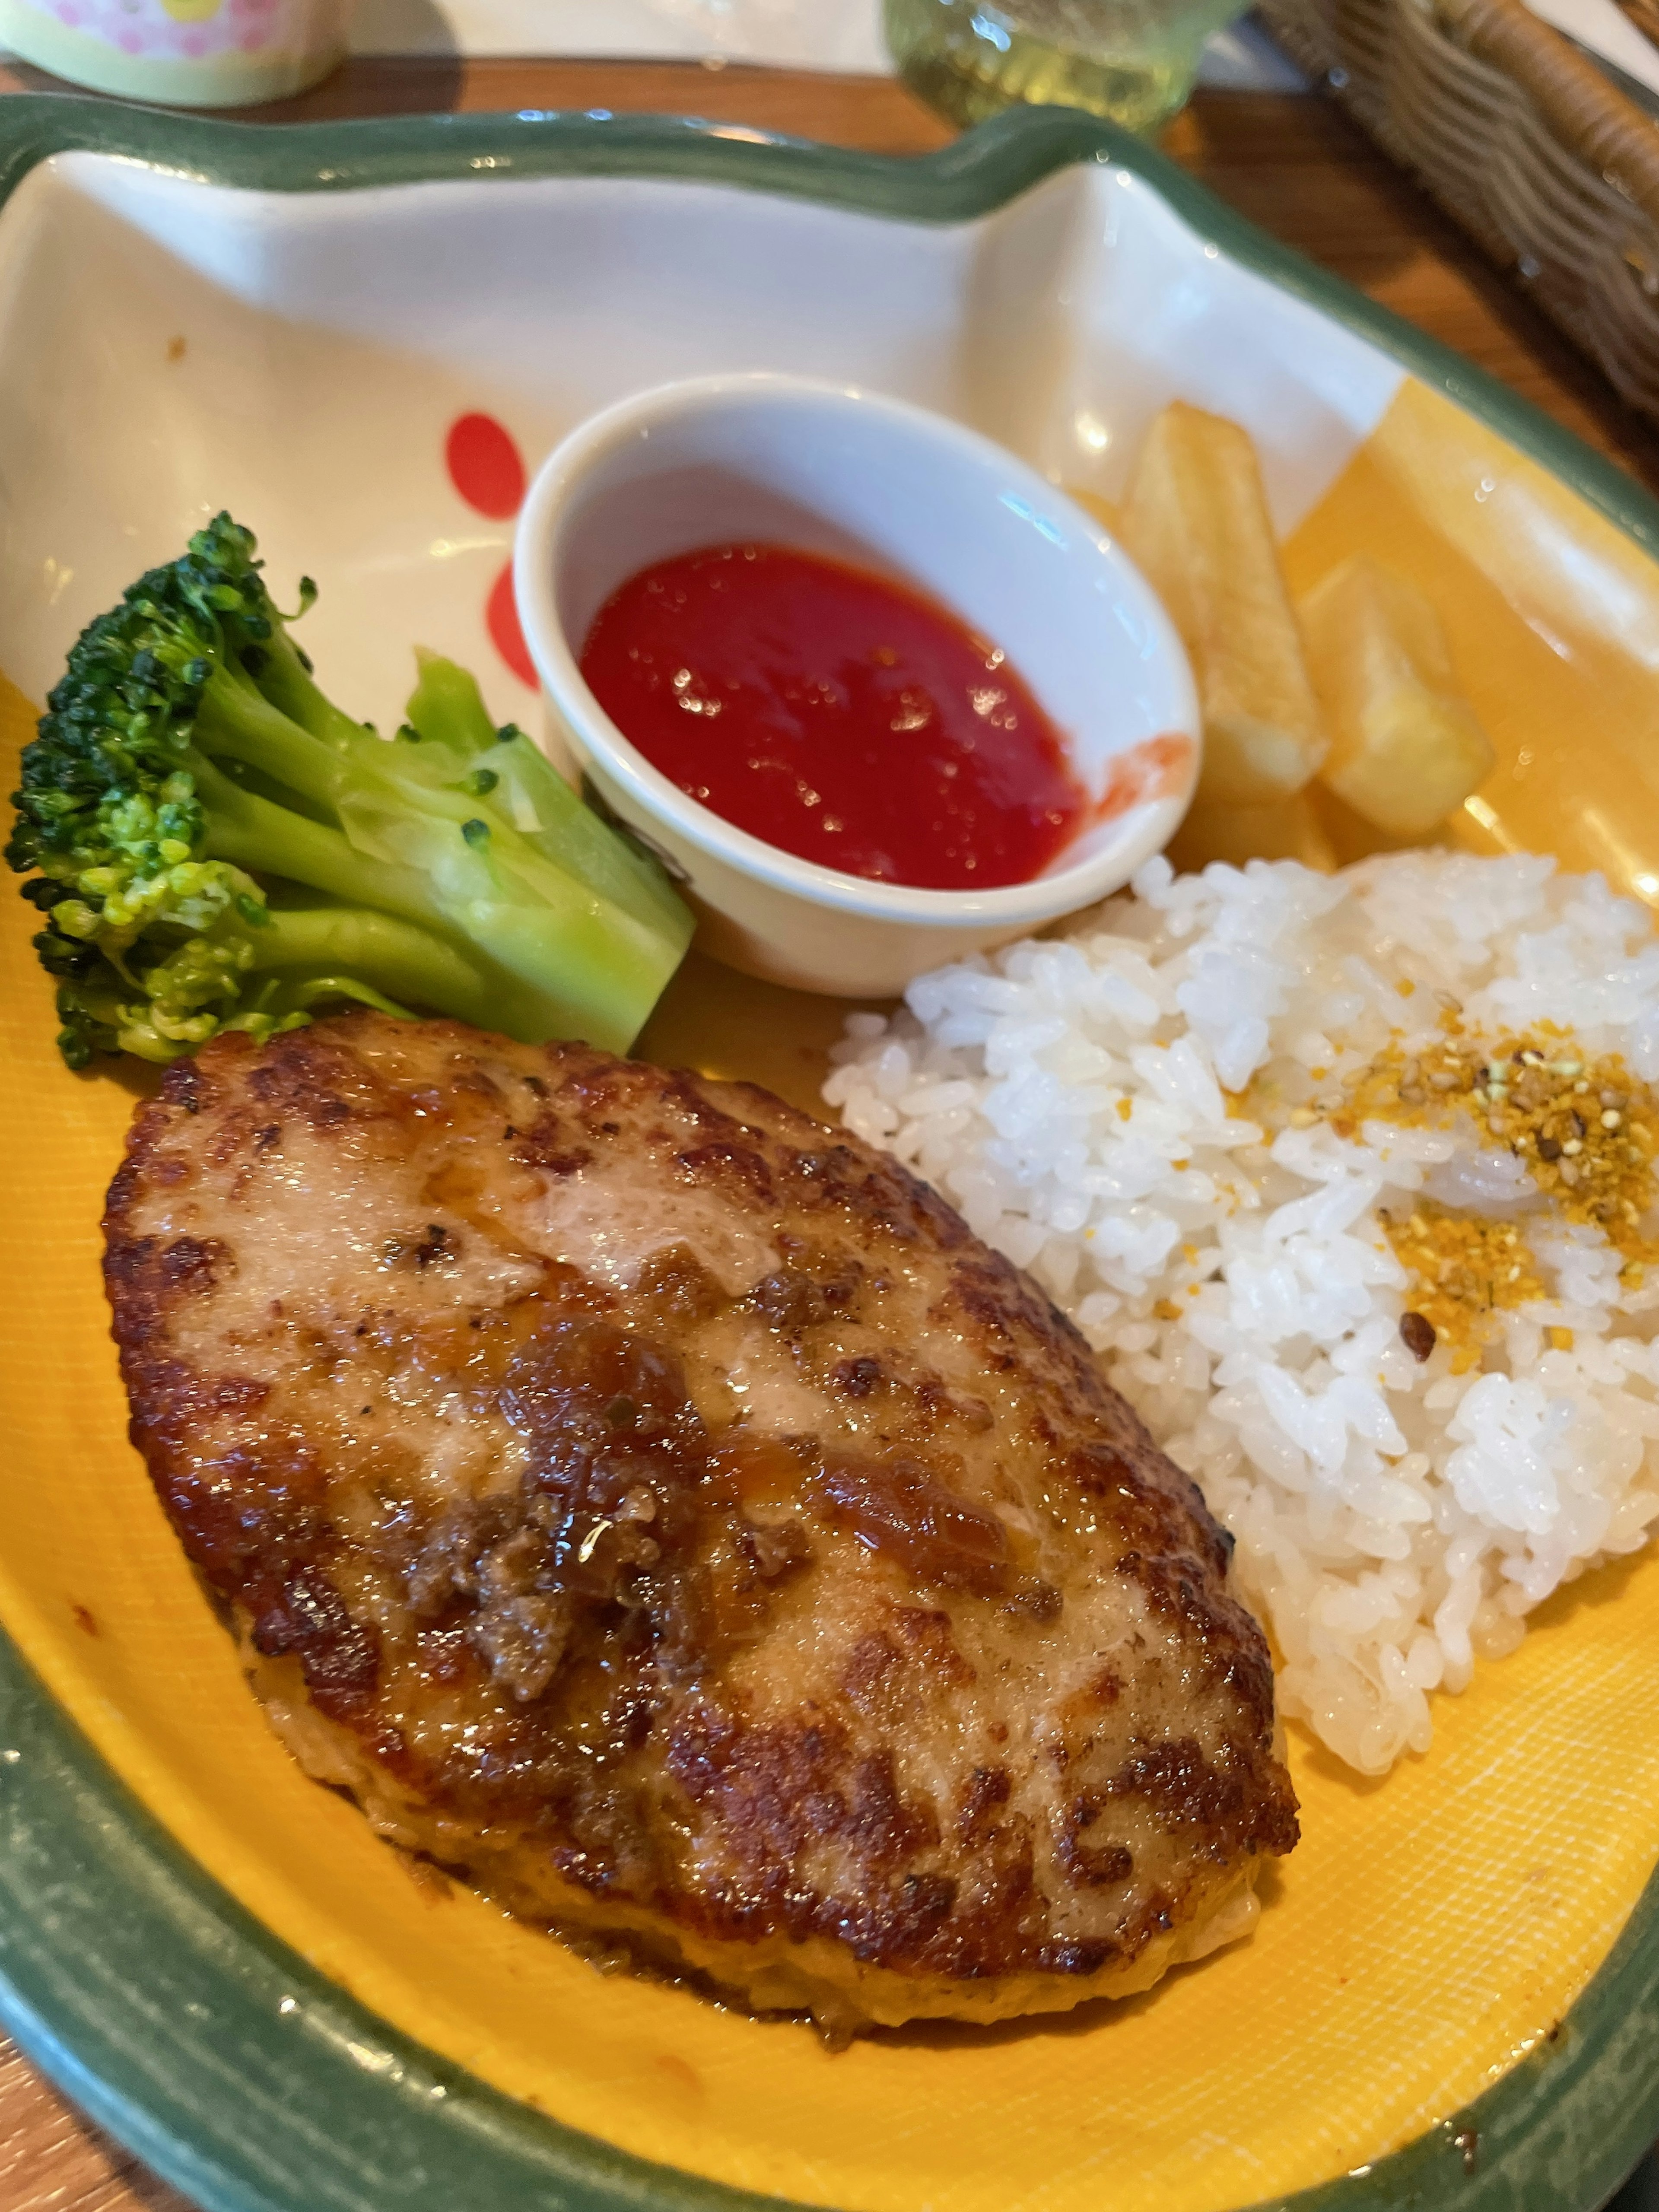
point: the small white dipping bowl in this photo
(830, 470)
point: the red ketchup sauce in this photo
(840, 716)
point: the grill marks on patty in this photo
(683, 1524)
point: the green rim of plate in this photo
(189, 2031)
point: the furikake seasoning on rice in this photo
(1350, 1181)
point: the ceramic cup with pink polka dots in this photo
(186, 53)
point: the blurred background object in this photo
(183, 53)
(1533, 146)
(1131, 60)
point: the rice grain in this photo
(1145, 1112)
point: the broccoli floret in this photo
(214, 845)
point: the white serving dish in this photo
(1452, 2000)
(280, 355)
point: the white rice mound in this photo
(1394, 1521)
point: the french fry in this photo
(1405, 747)
(1352, 838)
(1287, 830)
(1196, 521)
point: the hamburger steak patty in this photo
(659, 1508)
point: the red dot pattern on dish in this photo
(488, 471)
(485, 466)
(502, 617)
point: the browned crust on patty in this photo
(660, 1507)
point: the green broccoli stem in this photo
(500, 981)
(288, 685)
(566, 831)
(446, 707)
(311, 950)
(268, 839)
(408, 830)
(235, 721)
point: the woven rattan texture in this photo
(1552, 172)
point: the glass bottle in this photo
(1131, 60)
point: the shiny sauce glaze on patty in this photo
(660, 1509)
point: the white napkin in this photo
(1244, 58)
(827, 34)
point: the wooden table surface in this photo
(1295, 165)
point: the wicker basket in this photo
(1523, 141)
